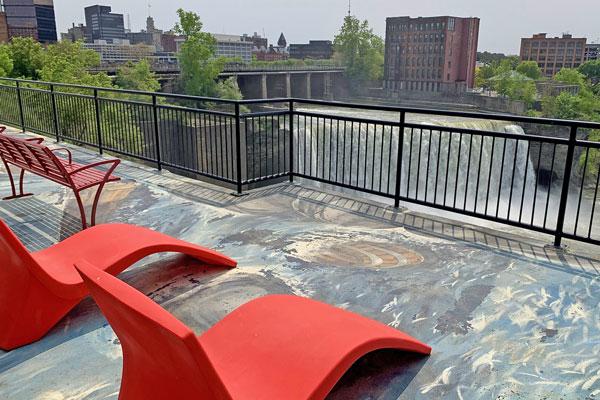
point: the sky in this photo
(503, 22)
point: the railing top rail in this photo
(126, 91)
(337, 104)
(463, 114)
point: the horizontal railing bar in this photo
(462, 114)
(262, 101)
(121, 101)
(587, 143)
(479, 215)
(193, 171)
(346, 118)
(264, 114)
(581, 238)
(127, 91)
(195, 110)
(78, 95)
(344, 185)
(507, 135)
(266, 178)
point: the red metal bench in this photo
(32, 156)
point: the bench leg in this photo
(95, 205)
(81, 209)
(12, 184)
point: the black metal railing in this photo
(532, 173)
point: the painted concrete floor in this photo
(507, 318)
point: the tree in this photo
(360, 50)
(490, 58)
(199, 65)
(27, 57)
(591, 70)
(530, 69)
(6, 63)
(570, 76)
(137, 76)
(70, 62)
(483, 75)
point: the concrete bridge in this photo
(319, 81)
(304, 83)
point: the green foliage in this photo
(27, 56)
(570, 76)
(530, 69)
(510, 62)
(360, 51)
(490, 58)
(591, 70)
(70, 62)
(593, 162)
(229, 89)
(488, 75)
(200, 68)
(6, 62)
(137, 76)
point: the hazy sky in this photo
(503, 22)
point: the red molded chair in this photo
(38, 289)
(275, 347)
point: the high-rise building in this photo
(433, 54)
(315, 49)
(233, 46)
(592, 51)
(31, 18)
(102, 24)
(553, 54)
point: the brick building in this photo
(432, 54)
(553, 54)
(273, 53)
(3, 28)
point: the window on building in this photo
(451, 23)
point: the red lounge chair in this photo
(38, 289)
(276, 347)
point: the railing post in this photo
(564, 194)
(98, 120)
(156, 133)
(54, 113)
(399, 159)
(21, 115)
(291, 147)
(238, 148)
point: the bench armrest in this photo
(70, 156)
(110, 170)
(35, 140)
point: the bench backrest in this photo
(33, 157)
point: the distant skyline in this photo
(502, 23)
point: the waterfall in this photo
(501, 178)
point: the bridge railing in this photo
(532, 173)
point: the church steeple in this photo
(282, 42)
